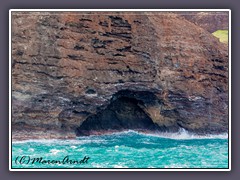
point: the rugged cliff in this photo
(211, 21)
(92, 72)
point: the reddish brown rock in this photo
(77, 71)
(210, 21)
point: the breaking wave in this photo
(182, 134)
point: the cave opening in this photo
(123, 113)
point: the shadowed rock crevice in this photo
(123, 113)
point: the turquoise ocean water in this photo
(124, 150)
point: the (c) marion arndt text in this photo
(41, 160)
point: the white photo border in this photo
(119, 169)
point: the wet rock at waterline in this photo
(83, 72)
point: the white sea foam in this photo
(182, 134)
(119, 166)
(73, 147)
(54, 151)
(36, 141)
(31, 149)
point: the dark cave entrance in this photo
(123, 113)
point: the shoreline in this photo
(22, 135)
(51, 134)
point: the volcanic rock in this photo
(210, 21)
(92, 71)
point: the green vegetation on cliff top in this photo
(222, 35)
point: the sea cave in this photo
(125, 112)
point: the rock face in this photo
(86, 72)
(210, 21)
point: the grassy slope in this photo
(222, 35)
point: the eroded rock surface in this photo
(68, 68)
(210, 21)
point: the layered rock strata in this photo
(210, 21)
(86, 72)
